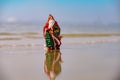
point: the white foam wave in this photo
(83, 42)
(19, 45)
(98, 40)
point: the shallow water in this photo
(89, 61)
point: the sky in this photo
(69, 11)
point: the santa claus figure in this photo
(51, 32)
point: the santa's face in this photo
(51, 23)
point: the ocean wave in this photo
(9, 38)
(19, 36)
(19, 45)
(88, 42)
(66, 35)
(92, 35)
(30, 39)
(15, 33)
(95, 42)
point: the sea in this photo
(30, 34)
(65, 28)
(88, 52)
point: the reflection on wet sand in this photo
(52, 64)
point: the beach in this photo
(89, 31)
(83, 57)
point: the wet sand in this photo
(81, 61)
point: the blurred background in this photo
(90, 47)
(80, 16)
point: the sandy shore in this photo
(98, 61)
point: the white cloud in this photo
(11, 19)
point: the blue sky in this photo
(75, 11)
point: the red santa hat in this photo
(50, 17)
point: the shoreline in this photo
(91, 35)
(39, 35)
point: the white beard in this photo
(51, 23)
